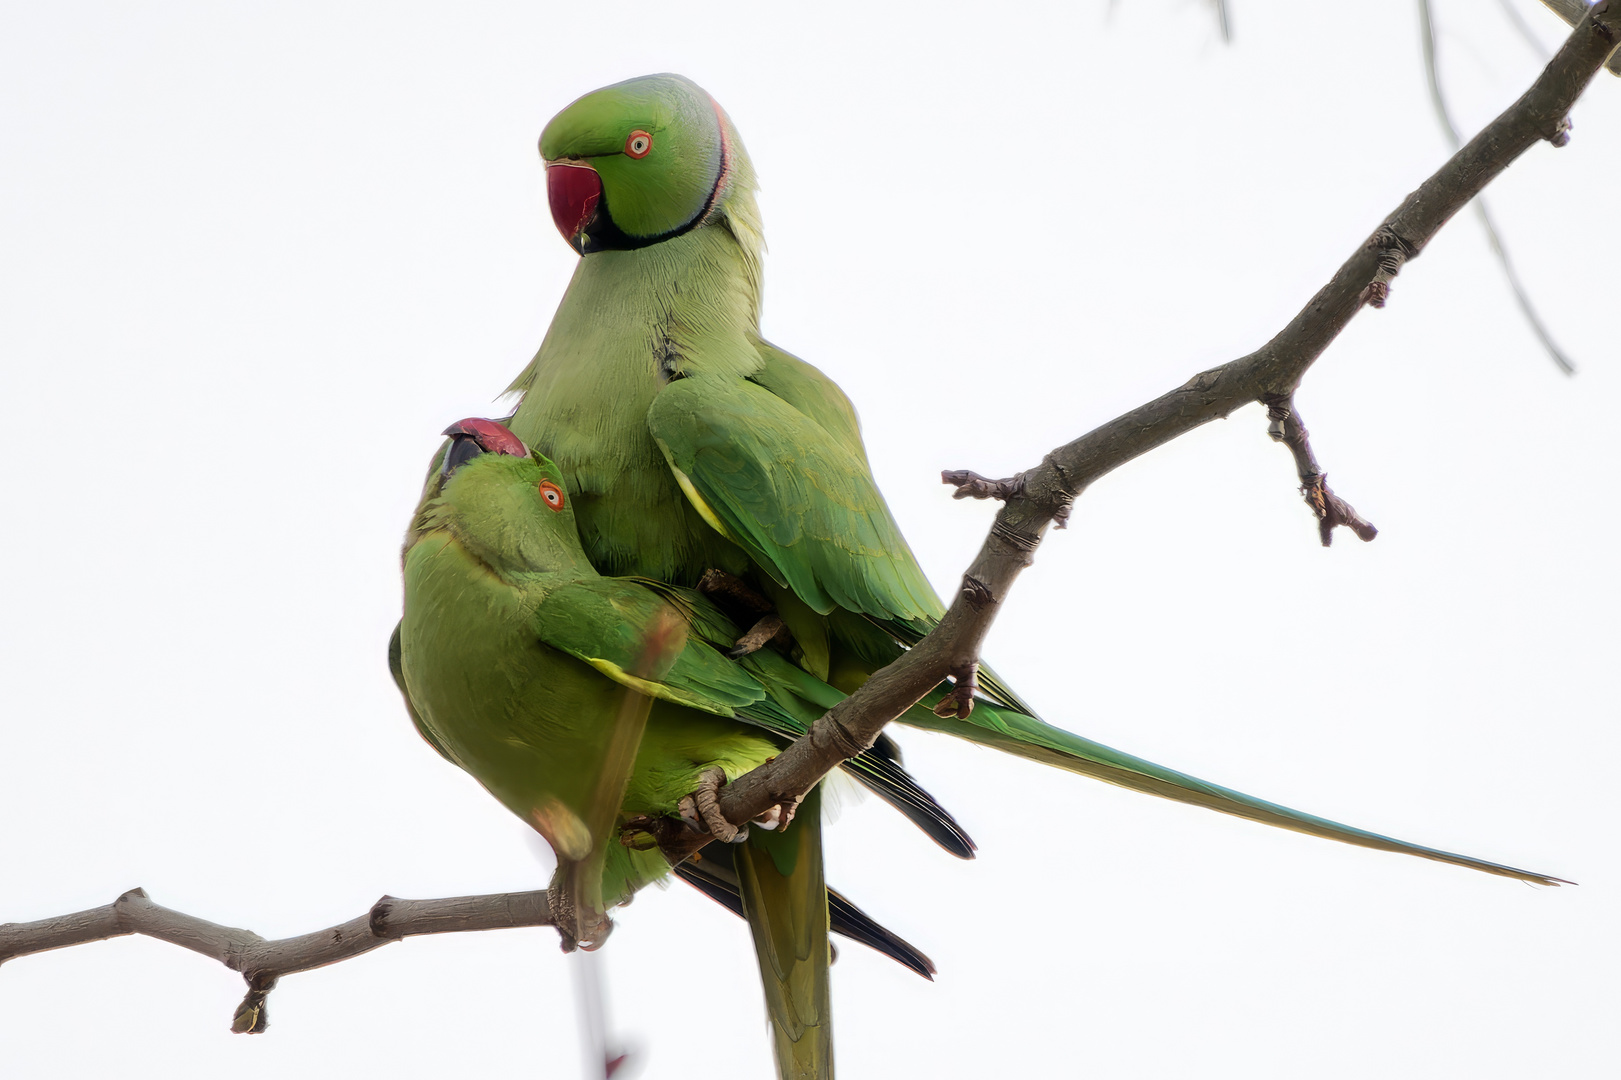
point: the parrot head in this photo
(505, 504)
(641, 162)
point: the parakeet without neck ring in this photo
(588, 704)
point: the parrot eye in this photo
(552, 494)
(638, 143)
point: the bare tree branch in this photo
(1426, 23)
(1572, 12)
(262, 962)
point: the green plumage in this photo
(783, 894)
(582, 701)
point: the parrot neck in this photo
(630, 324)
(694, 295)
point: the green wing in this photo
(800, 500)
(606, 621)
(785, 900)
(812, 393)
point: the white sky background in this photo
(254, 258)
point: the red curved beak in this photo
(491, 436)
(573, 189)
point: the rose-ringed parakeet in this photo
(585, 704)
(695, 445)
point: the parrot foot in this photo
(778, 816)
(769, 630)
(743, 603)
(702, 810)
(566, 917)
(960, 702)
(737, 597)
(703, 807)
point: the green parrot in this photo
(694, 445)
(587, 704)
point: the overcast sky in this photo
(255, 257)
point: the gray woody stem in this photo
(1033, 501)
(262, 962)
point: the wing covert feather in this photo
(802, 503)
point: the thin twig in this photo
(1432, 76)
(1332, 511)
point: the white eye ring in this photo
(638, 144)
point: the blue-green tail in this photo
(1028, 737)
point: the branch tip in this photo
(1285, 426)
(971, 485)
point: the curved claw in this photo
(960, 702)
(779, 816)
(566, 920)
(702, 810)
(705, 805)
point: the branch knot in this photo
(1560, 136)
(976, 592)
(1390, 252)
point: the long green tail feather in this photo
(1016, 733)
(785, 899)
